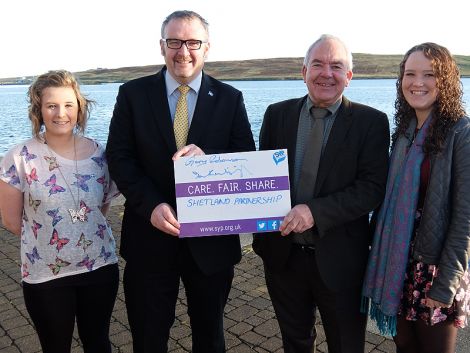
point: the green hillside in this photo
(365, 66)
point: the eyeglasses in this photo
(191, 44)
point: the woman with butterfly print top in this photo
(55, 190)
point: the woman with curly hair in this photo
(417, 277)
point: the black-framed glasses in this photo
(191, 44)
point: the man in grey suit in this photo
(338, 161)
(144, 139)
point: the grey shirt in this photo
(306, 123)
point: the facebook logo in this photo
(274, 224)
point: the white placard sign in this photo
(232, 192)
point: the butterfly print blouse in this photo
(53, 246)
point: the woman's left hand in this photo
(435, 304)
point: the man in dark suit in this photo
(317, 260)
(141, 147)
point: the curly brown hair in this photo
(57, 78)
(448, 107)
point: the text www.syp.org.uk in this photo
(221, 229)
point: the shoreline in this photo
(104, 82)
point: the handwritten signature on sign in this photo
(235, 170)
(194, 161)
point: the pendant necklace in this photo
(78, 213)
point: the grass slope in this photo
(365, 66)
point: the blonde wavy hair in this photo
(56, 78)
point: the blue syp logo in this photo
(279, 156)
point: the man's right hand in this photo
(298, 220)
(164, 218)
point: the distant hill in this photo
(365, 66)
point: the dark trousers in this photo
(419, 337)
(88, 298)
(297, 292)
(151, 297)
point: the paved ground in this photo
(250, 322)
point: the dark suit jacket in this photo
(140, 145)
(350, 183)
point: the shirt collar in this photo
(332, 108)
(172, 84)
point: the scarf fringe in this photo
(386, 324)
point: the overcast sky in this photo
(36, 36)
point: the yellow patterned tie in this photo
(181, 121)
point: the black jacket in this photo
(140, 145)
(350, 183)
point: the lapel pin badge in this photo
(210, 93)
